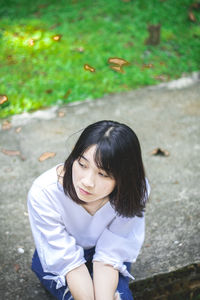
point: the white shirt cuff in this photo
(121, 267)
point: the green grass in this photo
(38, 76)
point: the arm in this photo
(57, 249)
(120, 242)
(80, 283)
(105, 281)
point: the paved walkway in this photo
(166, 117)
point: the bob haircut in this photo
(118, 153)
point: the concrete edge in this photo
(51, 113)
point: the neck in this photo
(93, 207)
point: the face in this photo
(91, 183)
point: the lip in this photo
(82, 191)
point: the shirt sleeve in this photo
(57, 249)
(121, 242)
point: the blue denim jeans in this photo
(63, 293)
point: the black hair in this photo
(118, 152)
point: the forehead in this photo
(89, 154)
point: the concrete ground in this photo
(166, 117)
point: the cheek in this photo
(110, 187)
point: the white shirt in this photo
(62, 229)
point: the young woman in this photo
(87, 216)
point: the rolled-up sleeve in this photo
(57, 249)
(121, 241)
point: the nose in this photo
(88, 180)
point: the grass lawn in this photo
(38, 69)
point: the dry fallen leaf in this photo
(10, 152)
(117, 68)
(161, 77)
(195, 6)
(89, 68)
(13, 153)
(119, 63)
(46, 155)
(159, 151)
(67, 94)
(154, 34)
(16, 267)
(31, 42)
(3, 99)
(147, 66)
(6, 125)
(18, 129)
(49, 91)
(80, 49)
(61, 114)
(43, 5)
(124, 86)
(191, 16)
(55, 25)
(57, 37)
(128, 44)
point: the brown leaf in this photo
(57, 37)
(128, 44)
(11, 60)
(161, 77)
(31, 42)
(124, 86)
(18, 129)
(191, 16)
(195, 6)
(16, 267)
(55, 25)
(6, 125)
(160, 152)
(117, 68)
(147, 66)
(46, 155)
(11, 152)
(37, 14)
(79, 49)
(3, 99)
(89, 68)
(61, 114)
(154, 35)
(49, 91)
(43, 5)
(119, 63)
(67, 94)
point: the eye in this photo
(81, 164)
(103, 175)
